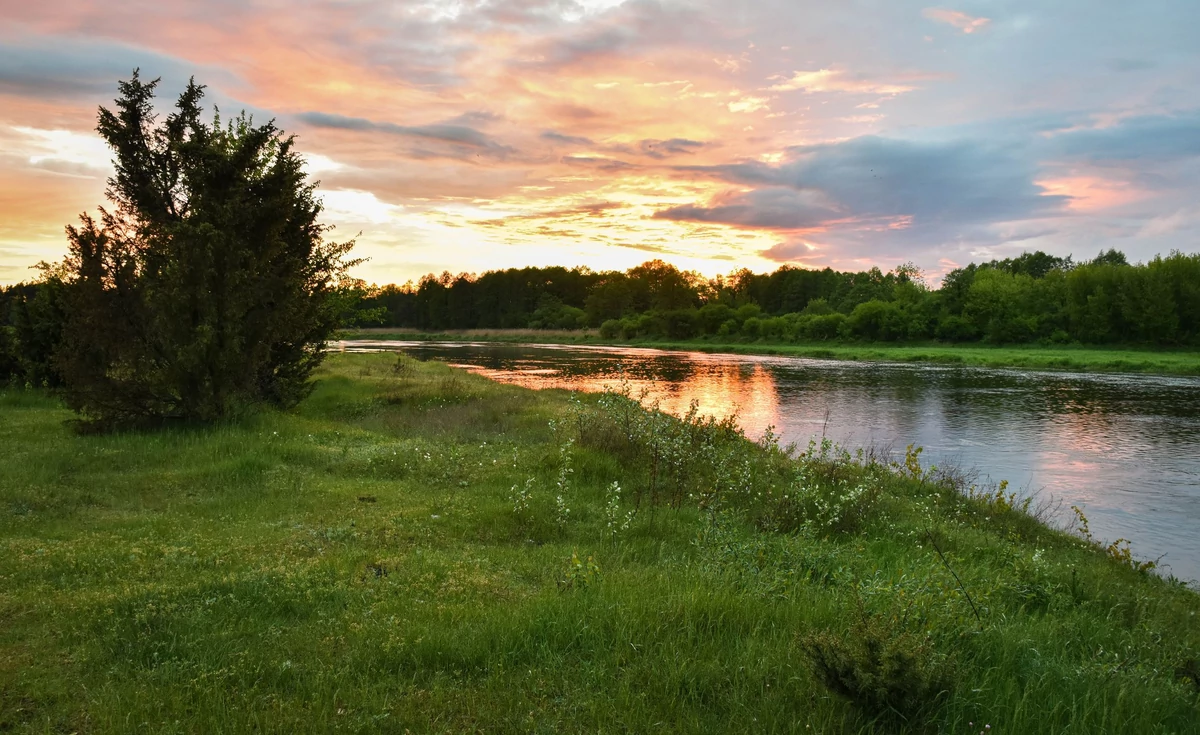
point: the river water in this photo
(1125, 448)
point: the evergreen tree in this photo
(208, 286)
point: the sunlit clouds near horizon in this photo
(468, 136)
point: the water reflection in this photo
(1123, 447)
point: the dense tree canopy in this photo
(1029, 298)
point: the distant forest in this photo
(1035, 297)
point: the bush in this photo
(825, 326)
(883, 670)
(956, 329)
(710, 317)
(8, 355)
(876, 320)
(611, 329)
(208, 287)
(752, 327)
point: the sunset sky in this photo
(716, 135)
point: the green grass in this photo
(1039, 357)
(357, 565)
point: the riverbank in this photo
(1034, 357)
(418, 548)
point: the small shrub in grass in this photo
(1189, 671)
(826, 503)
(579, 573)
(885, 671)
(405, 367)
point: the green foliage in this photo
(31, 324)
(579, 574)
(208, 286)
(1032, 298)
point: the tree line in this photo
(1035, 297)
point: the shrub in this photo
(883, 670)
(956, 329)
(826, 326)
(209, 286)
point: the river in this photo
(1122, 447)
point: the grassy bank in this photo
(1078, 358)
(418, 549)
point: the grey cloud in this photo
(74, 67)
(474, 117)
(1147, 137)
(636, 26)
(668, 148)
(600, 164)
(1131, 64)
(773, 207)
(943, 184)
(460, 136)
(651, 148)
(557, 137)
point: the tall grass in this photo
(363, 564)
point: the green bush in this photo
(208, 286)
(886, 672)
(611, 329)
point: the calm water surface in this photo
(1123, 447)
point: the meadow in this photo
(417, 549)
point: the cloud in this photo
(1162, 137)
(589, 210)
(789, 251)
(608, 165)
(556, 137)
(749, 103)
(837, 80)
(915, 192)
(457, 136)
(958, 19)
(667, 148)
(41, 66)
(773, 207)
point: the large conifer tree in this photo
(208, 285)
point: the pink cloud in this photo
(957, 19)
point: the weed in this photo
(616, 523)
(579, 573)
(1119, 550)
(522, 498)
(562, 485)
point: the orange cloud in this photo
(1091, 193)
(837, 80)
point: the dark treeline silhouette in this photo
(1035, 297)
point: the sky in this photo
(469, 135)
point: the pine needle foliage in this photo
(207, 286)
